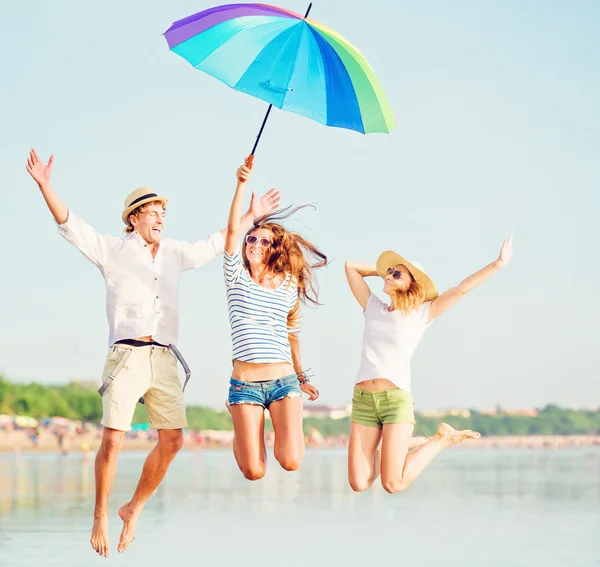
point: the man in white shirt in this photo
(141, 271)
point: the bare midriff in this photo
(257, 372)
(145, 339)
(376, 385)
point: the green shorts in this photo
(375, 409)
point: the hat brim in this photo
(129, 210)
(390, 259)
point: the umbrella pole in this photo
(251, 156)
(250, 159)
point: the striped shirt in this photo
(258, 315)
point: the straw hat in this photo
(137, 198)
(390, 259)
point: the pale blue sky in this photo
(498, 132)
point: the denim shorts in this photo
(375, 409)
(263, 393)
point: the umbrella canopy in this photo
(287, 60)
(5, 419)
(58, 421)
(25, 421)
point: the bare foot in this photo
(99, 537)
(453, 436)
(130, 516)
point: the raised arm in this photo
(41, 175)
(238, 223)
(442, 303)
(86, 238)
(356, 272)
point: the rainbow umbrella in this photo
(287, 60)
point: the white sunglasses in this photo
(251, 239)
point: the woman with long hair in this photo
(267, 278)
(382, 403)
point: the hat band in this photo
(142, 198)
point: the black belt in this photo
(133, 342)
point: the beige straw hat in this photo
(390, 259)
(137, 198)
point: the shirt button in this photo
(157, 297)
(155, 279)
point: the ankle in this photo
(442, 439)
(133, 507)
(100, 513)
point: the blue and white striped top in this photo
(258, 315)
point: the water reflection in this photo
(489, 494)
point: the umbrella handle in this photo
(249, 163)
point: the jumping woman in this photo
(267, 278)
(382, 403)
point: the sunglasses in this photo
(251, 239)
(396, 274)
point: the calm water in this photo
(470, 508)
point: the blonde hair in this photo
(138, 211)
(290, 253)
(409, 299)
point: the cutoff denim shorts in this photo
(263, 393)
(375, 409)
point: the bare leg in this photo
(363, 456)
(155, 468)
(286, 415)
(400, 468)
(416, 442)
(105, 468)
(249, 441)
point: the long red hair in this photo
(290, 253)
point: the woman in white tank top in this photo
(267, 276)
(382, 404)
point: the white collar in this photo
(137, 237)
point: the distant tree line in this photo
(80, 401)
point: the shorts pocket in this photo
(116, 359)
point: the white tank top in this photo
(389, 341)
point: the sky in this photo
(498, 134)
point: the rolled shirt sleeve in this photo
(193, 255)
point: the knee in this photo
(111, 443)
(253, 472)
(290, 463)
(172, 443)
(359, 485)
(393, 486)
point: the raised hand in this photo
(268, 203)
(505, 253)
(243, 172)
(41, 173)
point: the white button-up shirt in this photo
(142, 292)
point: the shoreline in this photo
(18, 442)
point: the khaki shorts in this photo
(149, 372)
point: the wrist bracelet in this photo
(302, 376)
